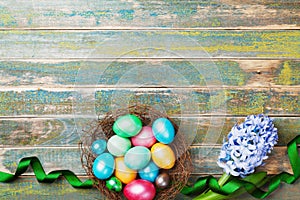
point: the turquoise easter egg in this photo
(163, 130)
(98, 146)
(103, 166)
(127, 125)
(118, 146)
(150, 172)
(137, 157)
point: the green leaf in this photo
(258, 179)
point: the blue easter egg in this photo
(163, 130)
(98, 146)
(103, 166)
(150, 172)
(137, 157)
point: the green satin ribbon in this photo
(235, 184)
(41, 176)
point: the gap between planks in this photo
(137, 59)
(72, 147)
(125, 28)
(174, 116)
(74, 88)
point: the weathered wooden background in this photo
(255, 46)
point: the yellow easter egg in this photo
(163, 156)
(122, 172)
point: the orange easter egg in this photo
(163, 156)
(122, 172)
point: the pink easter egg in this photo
(139, 190)
(144, 138)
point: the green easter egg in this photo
(127, 125)
(114, 184)
(118, 146)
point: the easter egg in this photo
(103, 166)
(98, 146)
(118, 146)
(114, 184)
(144, 138)
(162, 181)
(163, 156)
(122, 172)
(150, 172)
(137, 157)
(127, 125)
(139, 189)
(163, 130)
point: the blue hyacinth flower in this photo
(247, 145)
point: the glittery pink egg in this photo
(139, 190)
(144, 138)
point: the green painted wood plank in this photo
(204, 159)
(27, 188)
(148, 14)
(21, 132)
(235, 101)
(37, 131)
(232, 72)
(58, 44)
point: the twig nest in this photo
(144, 150)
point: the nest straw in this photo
(102, 129)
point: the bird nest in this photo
(102, 129)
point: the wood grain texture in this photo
(235, 101)
(56, 73)
(28, 132)
(28, 188)
(58, 44)
(134, 14)
(46, 48)
(68, 157)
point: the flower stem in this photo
(223, 179)
(210, 195)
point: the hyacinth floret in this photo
(248, 145)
